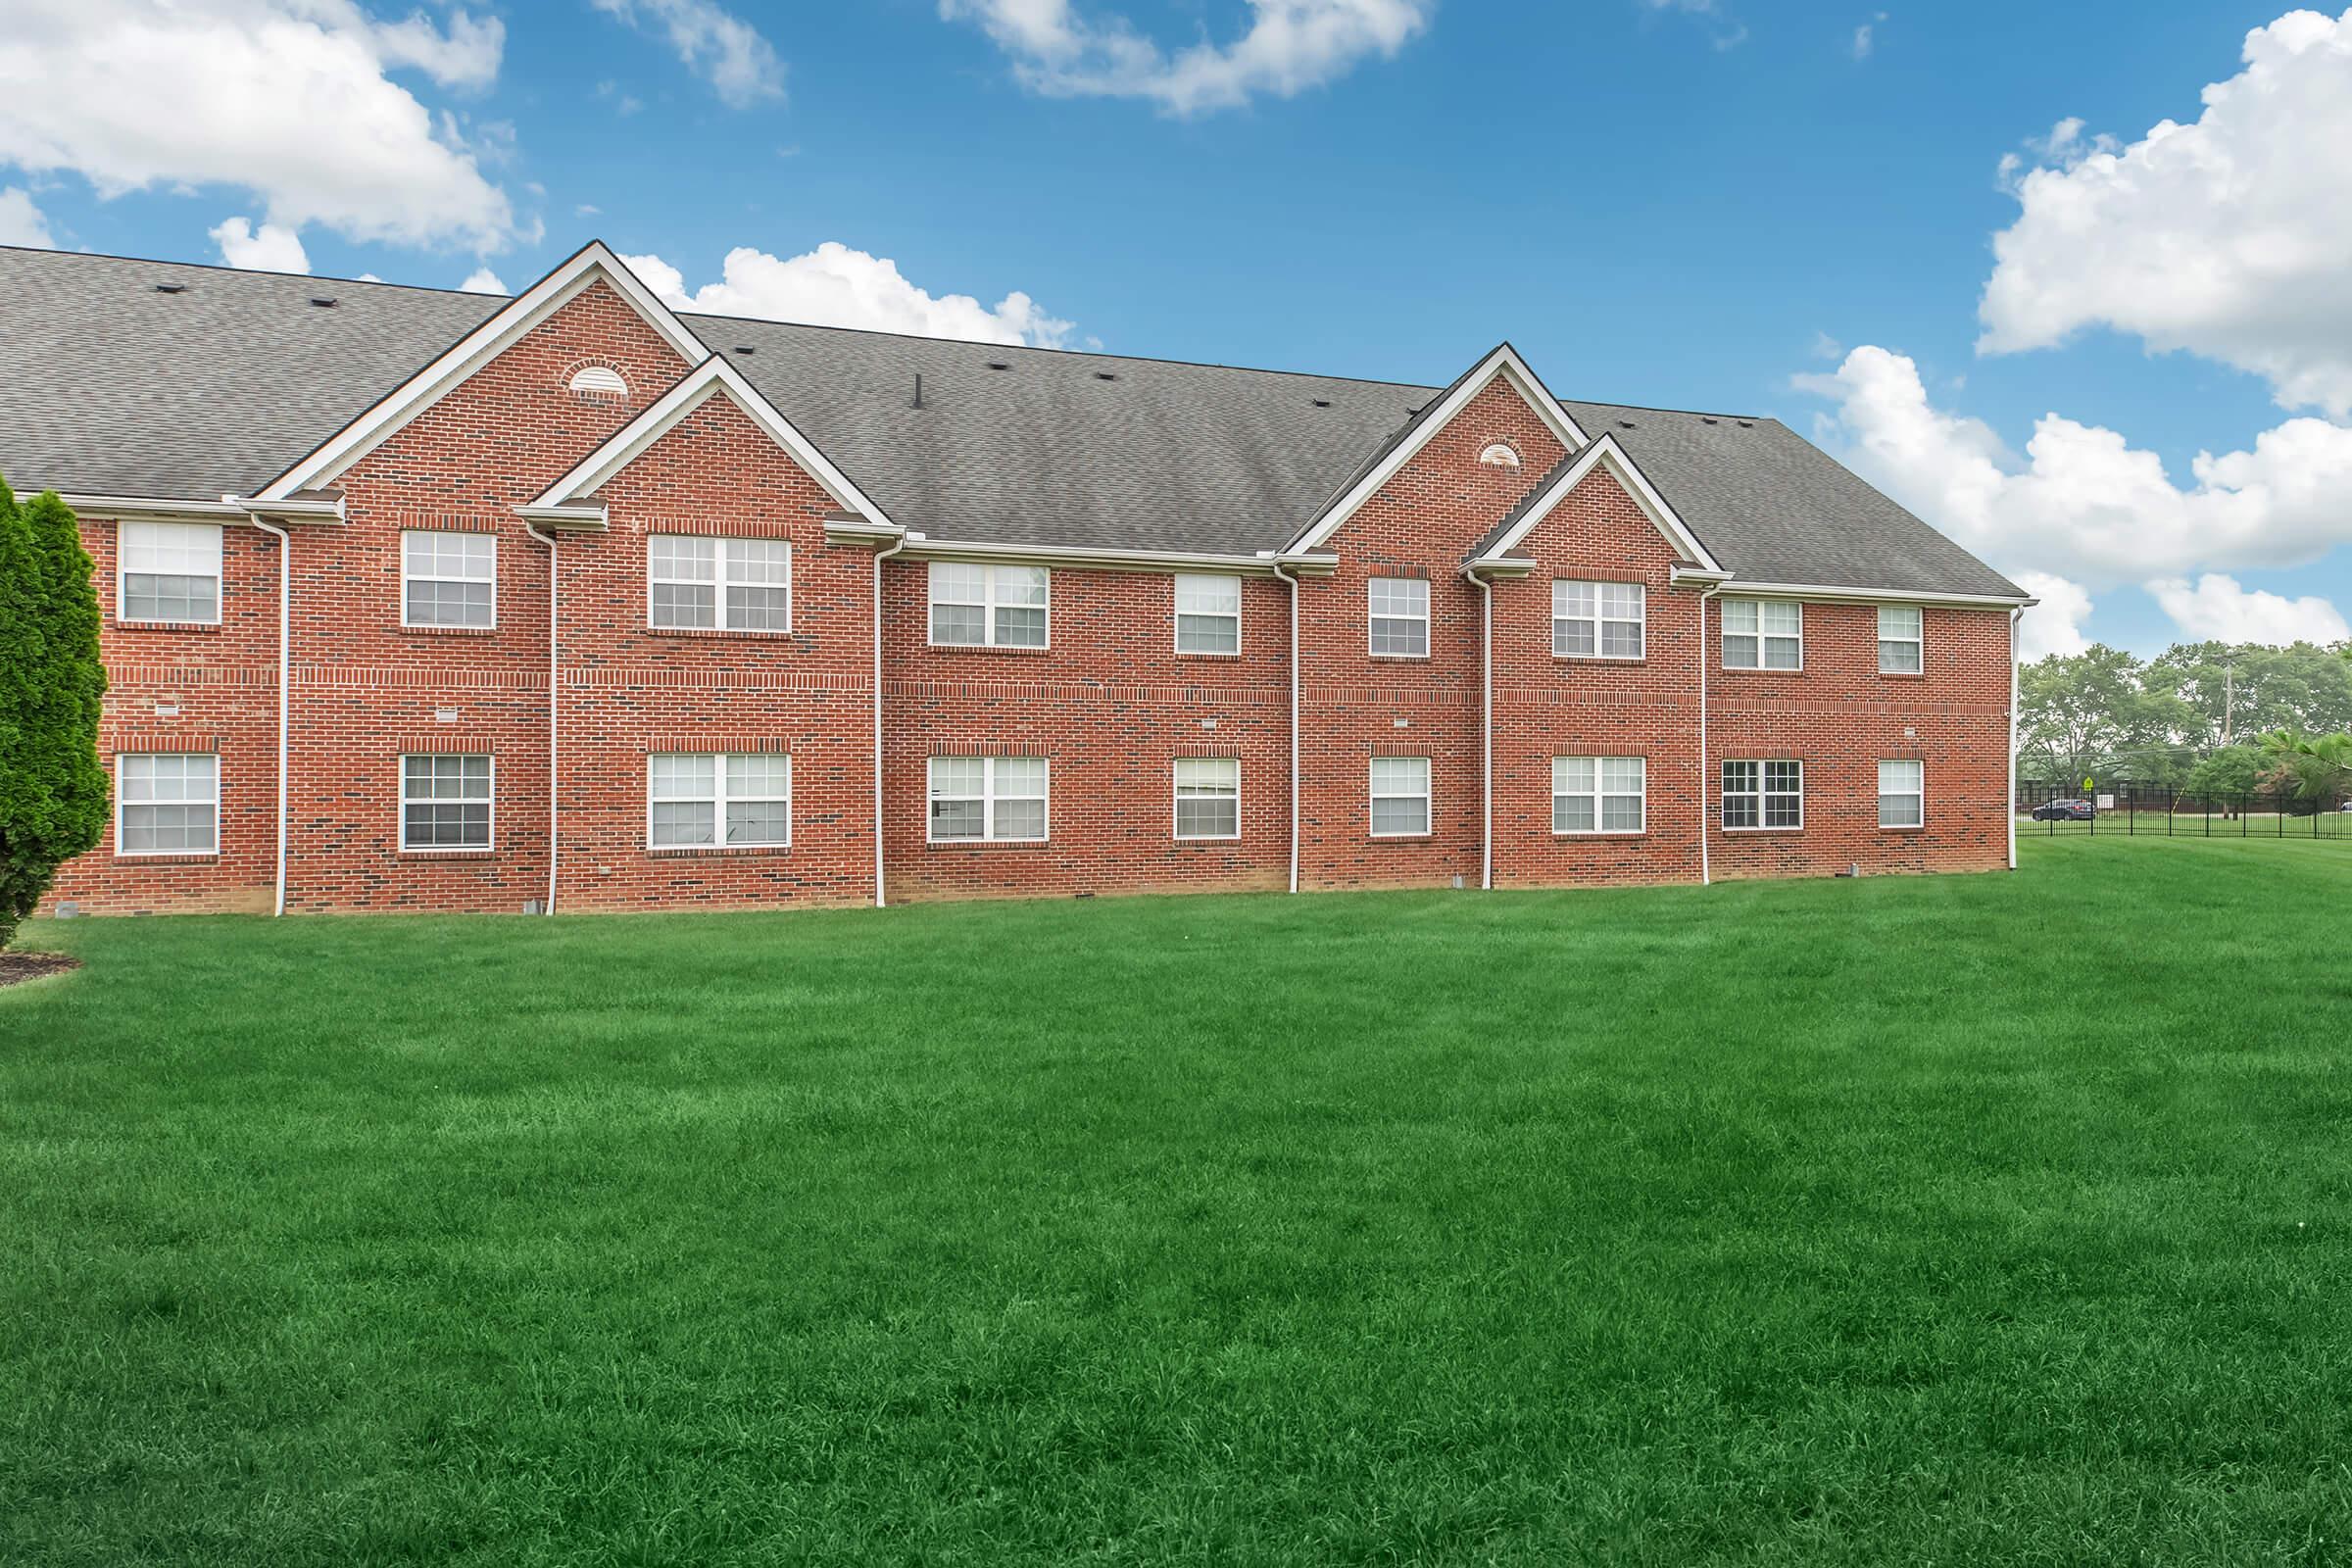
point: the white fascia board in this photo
(707, 380)
(1604, 452)
(919, 548)
(1504, 361)
(1831, 594)
(362, 436)
(149, 509)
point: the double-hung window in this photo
(448, 579)
(1900, 640)
(1764, 795)
(1763, 634)
(1596, 619)
(988, 607)
(1399, 610)
(167, 802)
(1209, 614)
(445, 802)
(1208, 797)
(169, 571)
(1597, 794)
(1902, 793)
(705, 584)
(704, 800)
(1399, 797)
(996, 799)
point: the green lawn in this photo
(1943, 1220)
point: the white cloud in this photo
(289, 99)
(268, 249)
(2217, 609)
(834, 285)
(1728, 33)
(2229, 238)
(1866, 37)
(482, 280)
(2054, 625)
(22, 222)
(1289, 47)
(716, 45)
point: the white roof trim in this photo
(1503, 361)
(1106, 558)
(698, 385)
(436, 380)
(1606, 453)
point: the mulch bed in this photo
(20, 966)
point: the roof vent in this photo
(598, 381)
(1625, 425)
(324, 301)
(1105, 376)
(744, 348)
(1500, 455)
(1708, 419)
(1322, 403)
(999, 365)
(1747, 424)
(171, 288)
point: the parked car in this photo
(2064, 811)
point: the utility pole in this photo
(2228, 697)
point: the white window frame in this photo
(723, 577)
(989, 603)
(406, 534)
(1917, 640)
(1428, 797)
(1601, 621)
(490, 842)
(718, 799)
(122, 804)
(1920, 795)
(1374, 617)
(1197, 580)
(160, 535)
(1178, 798)
(989, 799)
(1761, 637)
(1600, 795)
(1761, 794)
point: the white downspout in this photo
(880, 556)
(1485, 749)
(554, 708)
(285, 672)
(1706, 813)
(1294, 582)
(2009, 806)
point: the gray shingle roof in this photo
(110, 387)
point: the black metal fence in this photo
(2140, 810)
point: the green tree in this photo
(53, 788)
(2075, 712)
(2231, 772)
(2318, 767)
(2302, 687)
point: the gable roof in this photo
(1603, 451)
(108, 387)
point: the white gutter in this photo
(2009, 806)
(154, 508)
(554, 708)
(1706, 786)
(285, 672)
(1486, 764)
(920, 548)
(1833, 594)
(1294, 582)
(880, 556)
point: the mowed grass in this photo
(1942, 1220)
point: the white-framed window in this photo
(1599, 793)
(1763, 634)
(717, 799)
(1399, 614)
(167, 802)
(996, 799)
(1901, 640)
(988, 607)
(699, 583)
(168, 571)
(1764, 795)
(1399, 797)
(1902, 793)
(1208, 797)
(1209, 614)
(445, 802)
(448, 579)
(1597, 619)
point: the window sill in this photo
(985, 844)
(984, 648)
(687, 851)
(1398, 659)
(1600, 833)
(446, 854)
(1902, 674)
(1916, 827)
(1399, 837)
(1227, 657)
(1743, 669)
(718, 631)
(1204, 838)
(171, 856)
(1800, 828)
(167, 625)
(1601, 659)
(447, 631)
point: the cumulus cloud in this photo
(1865, 38)
(1289, 47)
(2054, 625)
(2216, 610)
(287, 99)
(482, 280)
(1726, 33)
(834, 285)
(22, 222)
(2229, 236)
(716, 45)
(268, 249)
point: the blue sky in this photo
(1718, 204)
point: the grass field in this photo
(1949, 1220)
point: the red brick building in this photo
(429, 601)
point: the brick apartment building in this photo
(419, 600)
